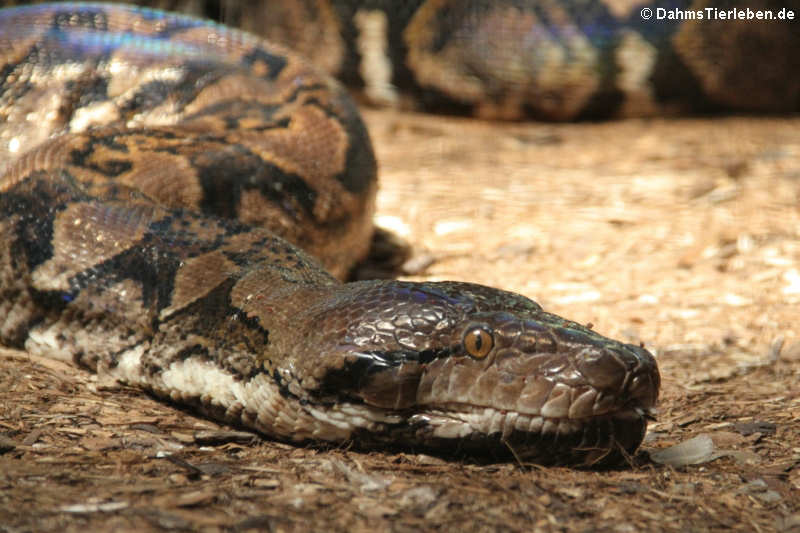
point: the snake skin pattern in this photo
(546, 59)
(176, 199)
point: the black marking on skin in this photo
(195, 350)
(38, 211)
(110, 168)
(253, 252)
(54, 301)
(399, 16)
(195, 77)
(422, 357)
(282, 123)
(352, 377)
(254, 324)
(355, 374)
(233, 110)
(167, 234)
(246, 258)
(149, 96)
(360, 169)
(225, 175)
(155, 134)
(303, 89)
(275, 63)
(113, 167)
(233, 335)
(152, 268)
(35, 228)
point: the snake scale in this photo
(178, 201)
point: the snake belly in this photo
(177, 203)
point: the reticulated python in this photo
(155, 169)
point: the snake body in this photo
(177, 201)
(546, 59)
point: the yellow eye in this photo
(478, 342)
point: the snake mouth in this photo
(601, 440)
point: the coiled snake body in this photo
(154, 170)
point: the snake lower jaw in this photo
(601, 440)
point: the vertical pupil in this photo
(478, 340)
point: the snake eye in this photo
(478, 341)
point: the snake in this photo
(180, 202)
(552, 60)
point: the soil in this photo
(680, 234)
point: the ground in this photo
(681, 234)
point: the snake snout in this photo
(645, 381)
(625, 371)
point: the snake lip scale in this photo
(177, 201)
